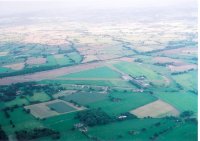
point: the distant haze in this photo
(77, 9)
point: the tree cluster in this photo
(3, 136)
(8, 93)
(25, 135)
(94, 117)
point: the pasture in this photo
(182, 133)
(4, 70)
(101, 72)
(135, 129)
(182, 101)
(127, 101)
(64, 124)
(79, 82)
(42, 96)
(51, 61)
(75, 56)
(20, 119)
(62, 59)
(136, 69)
(64, 93)
(187, 80)
(17, 101)
(85, 98)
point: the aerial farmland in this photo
(99, 78)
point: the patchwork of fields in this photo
(119, 84)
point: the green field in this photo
(51, 61)
(181, 100)
(64, 123)
(129, 101)
(136, 69)
(182, 133)
(75, 56)
(189, 80)
(79, 82)
(17, 101)
(38, 97)
(109, 83)
(21, 120)
(106, 75)
(85, 98)
(4, 70)
(102, 72)
(61, 107)
(120, 130)
(122, 83)
(63, 60)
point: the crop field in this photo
(182, 51)
(164, 60)
(52, 108)
(35, 61)
(122, 73)
(17, 66)
(182, 68)
(41, 110)
(155, 109)
(60, 107)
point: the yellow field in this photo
(155, 109)
(17, 66)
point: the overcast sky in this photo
(8, 7)
(105, 3)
